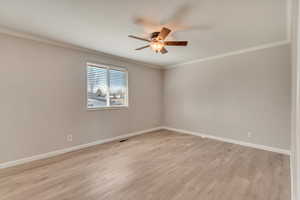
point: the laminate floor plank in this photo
(161, 165)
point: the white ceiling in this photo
(103, 25)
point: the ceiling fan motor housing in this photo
(154, 35)
(157, 41)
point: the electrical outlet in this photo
(249, 134)
(70, 138)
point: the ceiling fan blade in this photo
(176, 43)
(179, 15)
(203, 27)
(163, 50)
(164, 33)
(143, 47)
(139, 38)
(144, 21)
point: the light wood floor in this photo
(161, 165)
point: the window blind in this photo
(117, 87)
(97, 86)
(106, 87)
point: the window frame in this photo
(107, 67)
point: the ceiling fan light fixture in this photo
(157, 41)
(157, 46)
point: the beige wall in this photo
(295, 120)
(43, 99)
(231, 96)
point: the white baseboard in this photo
(78, 147)
(247, 144)
(292, 164)
(74, 148)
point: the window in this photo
(106, 86)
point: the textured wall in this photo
(42, 100)
(231, 96)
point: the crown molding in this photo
(20, 34)
(30, 36)
(233, 53)
(289, 19)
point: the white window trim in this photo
(108, 67)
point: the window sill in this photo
(108, 108)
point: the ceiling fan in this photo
(157, 41)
